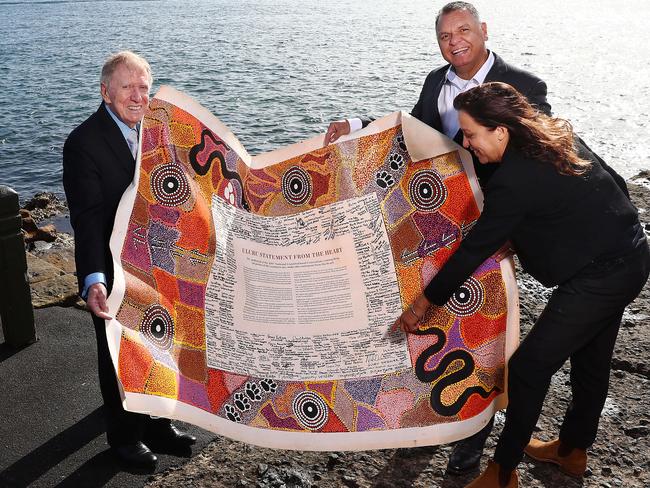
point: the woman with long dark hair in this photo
(568, 217)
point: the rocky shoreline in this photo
(619, 457)
(50, 252)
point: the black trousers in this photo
(580, 323)
(122, 427)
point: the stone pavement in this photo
(51, 424)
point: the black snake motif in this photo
(428, 376)
(202, 169)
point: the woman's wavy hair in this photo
(536, 135)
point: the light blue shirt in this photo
(124, 129)
(100, 277)
(90, 280)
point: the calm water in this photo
(276, 71)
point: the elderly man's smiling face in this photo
(127, 93)
(462, 42)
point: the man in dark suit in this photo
(461, 37)
(98, 165)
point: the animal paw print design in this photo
(400, 142)
(396, 161)
(268, 385)
(232, 414)
(229, 193)
(385, 180)
(242, 402)
(253, 392)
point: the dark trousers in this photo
(122, 427)
(580, 323)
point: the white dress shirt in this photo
(453, 86)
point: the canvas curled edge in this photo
(422, 142)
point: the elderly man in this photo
(98, 165)
(461, 37)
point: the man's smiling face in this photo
(462, 42)
(127, 93)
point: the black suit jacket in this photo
(97, 168)
(558, 224)
(426, 108)
(529, 85)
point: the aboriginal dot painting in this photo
(168, 243)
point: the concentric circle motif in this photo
(427, 191)
(169, 185)
(468, 299)
(158, 327)
(296, 185)
(310, 410)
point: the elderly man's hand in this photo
(336, 130)
(96, 301)
(411, 317)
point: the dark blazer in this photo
(529, 85)
(558, 224)
(97, 168)
(426, 108)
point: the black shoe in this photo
(466, 454)
(169, 440)
(136, 455)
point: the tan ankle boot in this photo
(490, 478)
(574, 463)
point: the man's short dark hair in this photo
(455, 6)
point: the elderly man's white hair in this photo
(129, 59)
